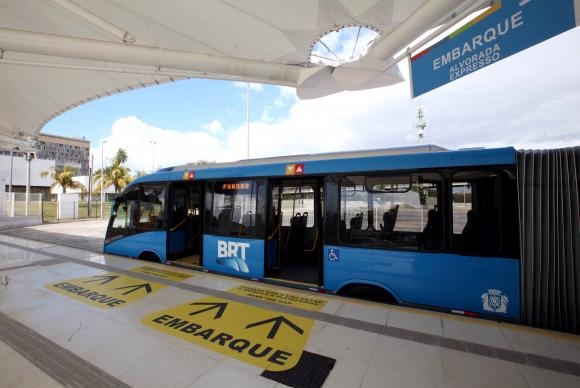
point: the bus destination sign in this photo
(505, 28)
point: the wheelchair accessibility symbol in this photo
(333, 255)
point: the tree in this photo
(120, 157)
(116, 175)
(139, 173)
(63, 177)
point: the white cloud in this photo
(254, 87)
(528, 101)
(171, 147)
(285, 95)
(214, 127)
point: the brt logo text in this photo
(233, 254)
(232, 249)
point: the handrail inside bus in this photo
(177, 226)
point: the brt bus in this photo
(481, 232)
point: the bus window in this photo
(299, 206)
(152, 207)
(476, 218)
(392, 211)
(125, 210)
(233, 208)
(179, 209)
(298, 200)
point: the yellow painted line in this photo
(108, 290)
(169, 274)
(305, 302)
(292, 283)
(264, 338)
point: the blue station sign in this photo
(505, 28)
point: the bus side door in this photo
(184, 232)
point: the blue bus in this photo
(419, 226)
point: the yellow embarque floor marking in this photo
(176, 276)
(305, 302)
(108, 290)
(265, 338)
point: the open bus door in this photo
(185, 224)
(294, 237)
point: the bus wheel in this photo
(149, 256)
(369, 292)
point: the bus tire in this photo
(369, 292)
(149, 256)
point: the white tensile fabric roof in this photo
(58, 54)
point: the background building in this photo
(13, 168)
(52, 151)
(73, 152)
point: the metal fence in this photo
(51, 210)
(22, 204)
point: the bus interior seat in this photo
(295, 220)
(296, 233)
(389, 220)
(298, 225)
(469, 234)
(432, 235)
(304, 219)
(224, 220)
(481, 232)
(288, 231)
(356, 222)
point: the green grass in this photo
(49, 211)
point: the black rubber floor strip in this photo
(59, 363)
(310, 372)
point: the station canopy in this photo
(58, 54)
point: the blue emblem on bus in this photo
(333, 255)
(233, 255)
(494, 301)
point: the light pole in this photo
(91, 169)
(248, 115)
(11, 166)
(153, 142)
(420, 125)
(28, 156)
(102, 175)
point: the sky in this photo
(530, 100)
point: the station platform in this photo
(72, 316)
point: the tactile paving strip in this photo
(57, 362)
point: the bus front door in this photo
(294, 237)
(184, 232)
